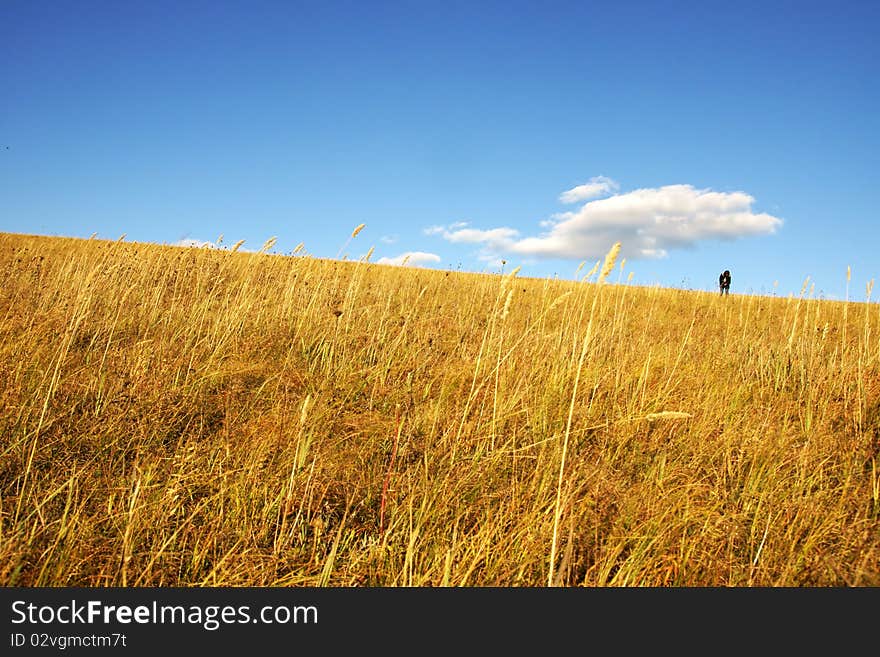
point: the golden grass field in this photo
(207, 417)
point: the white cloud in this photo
(410, 258)
(597, 186)
(459, 233)
(648, 222)
(388, 239)
(196, 243)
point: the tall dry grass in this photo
(200, 417)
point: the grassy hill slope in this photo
(183, 417)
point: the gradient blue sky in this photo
(703, 135)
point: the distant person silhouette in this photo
(724, 282)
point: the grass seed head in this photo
(303, 412)
(592, 271)
(610, 257)
(506, 309)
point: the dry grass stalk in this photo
(668, 415)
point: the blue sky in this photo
(703, 135)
